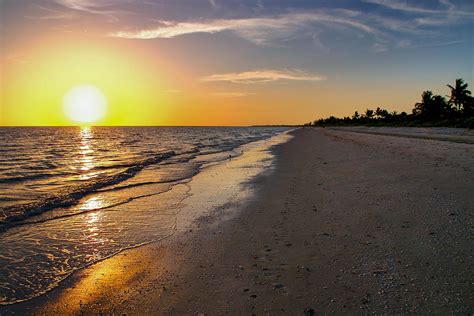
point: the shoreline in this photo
(196, 206)
(348, 223)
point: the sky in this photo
(228, 62)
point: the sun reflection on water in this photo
(92, 223)
(93, 203)
(94, 231)
(86, 159)
(86, 163)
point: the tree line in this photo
(432, 110)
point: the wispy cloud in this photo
(439, 44)
(257, 30)
(91, 6)
(45, 13)
(263, 76)
(171, 29)
(213, 4)
(400, 6)
(447, 8)
(379, 47)
(107, 8)
(385, 31)
(384, 26)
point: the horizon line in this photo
(252, 125)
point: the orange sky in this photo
(186, 68)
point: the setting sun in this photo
(85, 104)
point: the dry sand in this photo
(348, 223)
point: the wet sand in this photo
(347, 223)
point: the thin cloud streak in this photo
(106, 8)
(258, 30)
(46, 13)
(213, 4)
(90, 6)
(383, 32)
(403, 6)
(263, 76)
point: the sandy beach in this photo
(341, 223)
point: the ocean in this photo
(72, 196)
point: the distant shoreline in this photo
(449, 134)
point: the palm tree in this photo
(378, 112)
(421, 107)
(369, 113)
(438, 108)
(468, 106)
(431, 107)
(384, 114)
(459, 94)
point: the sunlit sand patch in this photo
(105, 279)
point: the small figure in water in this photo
(230, 157)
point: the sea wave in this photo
(109, 189)
(14, 214)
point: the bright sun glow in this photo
(85, 104)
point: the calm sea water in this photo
(72, 196)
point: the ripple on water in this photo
(46, 247)
(35, 258)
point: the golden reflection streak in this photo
(95, 202)
(86, 162)
(92, 223)
(86, 157)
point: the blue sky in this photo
(335, 56)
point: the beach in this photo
(339, 222)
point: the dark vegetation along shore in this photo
(432, 110)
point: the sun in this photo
(85, 104)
